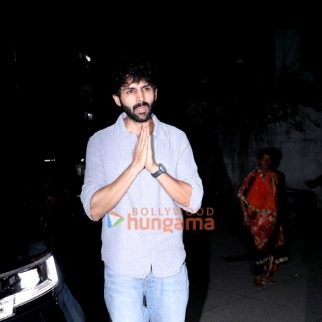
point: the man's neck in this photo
(135, 127)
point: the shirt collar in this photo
(158, 128)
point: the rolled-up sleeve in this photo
(187, 171)
(93, 180)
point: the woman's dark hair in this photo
(134, 69)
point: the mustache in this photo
(140, 105)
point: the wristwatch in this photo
(158, 172)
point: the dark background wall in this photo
(233, 82)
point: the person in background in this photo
(262, 201)
(141, 163)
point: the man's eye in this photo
(147, 89)
(130, 91)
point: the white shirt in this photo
(148, 235)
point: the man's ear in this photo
(117, 100)
(156, 94)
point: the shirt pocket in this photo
(117, 158)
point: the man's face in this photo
(137, 100)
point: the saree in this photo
(259, 192)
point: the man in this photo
(139, 172)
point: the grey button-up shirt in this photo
(144, 230)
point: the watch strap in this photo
(157, 173)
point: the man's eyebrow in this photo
(127, 86)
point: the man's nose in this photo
(140, 96)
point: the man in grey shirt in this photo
(139, 173)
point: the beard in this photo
(138, 117)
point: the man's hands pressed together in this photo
(143, 152)
(109, 196)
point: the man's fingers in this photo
(144, 138)
(150, 146)
(141, 136)
(143, 145)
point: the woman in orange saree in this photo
(259, 201)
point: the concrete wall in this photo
(301, 149)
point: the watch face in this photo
(162, 168)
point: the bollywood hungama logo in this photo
(152, 219)
(113, 219)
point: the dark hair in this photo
(275, 154)
(134, 69)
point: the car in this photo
(34, 282)
(32, 288)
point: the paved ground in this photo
(221, 285)
(227, 293)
